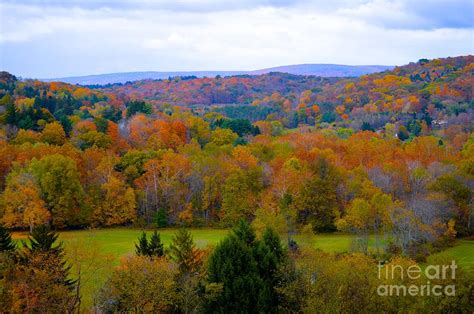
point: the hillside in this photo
(441, 86)
(387, 157)
(242, 89)
(436, 90)
(324, 70)
(111, 78)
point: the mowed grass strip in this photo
(121, 241)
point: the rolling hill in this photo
(324, 70)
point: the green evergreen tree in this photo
(244, 232)
(403, 133)
(161, 219)
(367, 127)
(270, 256)
(66, 124)
(11, 113)
(142, 248)
(42, 243)
(415, 127)
(232, 264)
(189, 259)
(138, 106)
(248, 270)
(155, 247)
(272, 241)
(6, 241)
(42, 239)
(184, 252)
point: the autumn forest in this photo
(386, 159)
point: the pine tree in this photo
(6, 241)
(142, 248)
(11, 113)
(244, 232)
(155, 247)
(41, 271)
(232, 264)
(403, 133)
(42, 243)
(42, 239)
(161, 219)
(270, 256)
(249, 271)
(272, 240)
(184, 252)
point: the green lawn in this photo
(330, 242)
(462, 253)
(119, 242)
(327, 242)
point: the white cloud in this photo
(414, 14)
(52, 41)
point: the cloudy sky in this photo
(52, 38)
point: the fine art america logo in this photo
(397, 276)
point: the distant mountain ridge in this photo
(324, 70)
(327, 70)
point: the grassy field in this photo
(119, 242)
(462, 253)
(328, 242)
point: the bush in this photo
(140, 283)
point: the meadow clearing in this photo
(120, 242)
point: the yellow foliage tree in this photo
(118, 203)
(23, 205)
(53, 133)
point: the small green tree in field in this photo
(155, 247)
(152, 248)
(184, 252)
(141, 249)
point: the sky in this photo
(51, 38)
